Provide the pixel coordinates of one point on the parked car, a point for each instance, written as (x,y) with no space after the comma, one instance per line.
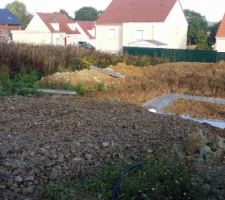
(86,45)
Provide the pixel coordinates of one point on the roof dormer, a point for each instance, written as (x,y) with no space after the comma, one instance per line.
(72,26)
(55,26)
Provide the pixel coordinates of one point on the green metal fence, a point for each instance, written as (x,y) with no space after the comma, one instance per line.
(220,56)
(176,55)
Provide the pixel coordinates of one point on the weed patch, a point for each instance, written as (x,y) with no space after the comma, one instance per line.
(5,82)
(154,178)
(81,89)
(100,87)
(24,83)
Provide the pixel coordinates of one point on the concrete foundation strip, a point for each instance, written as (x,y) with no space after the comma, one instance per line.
(53,91)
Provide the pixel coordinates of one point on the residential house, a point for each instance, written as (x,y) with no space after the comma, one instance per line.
(8,22)
(220,37)
(87,31)
(54,29)
(87,28)
(145,23)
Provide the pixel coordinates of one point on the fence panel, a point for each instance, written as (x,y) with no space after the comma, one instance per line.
(200,56)
(220,56)
(176,55)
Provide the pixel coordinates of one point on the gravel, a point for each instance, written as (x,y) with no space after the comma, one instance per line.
(45,138)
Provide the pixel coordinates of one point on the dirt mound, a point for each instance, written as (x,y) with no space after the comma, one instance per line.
(72,79)
(197,109)
(144,83)
(129,70)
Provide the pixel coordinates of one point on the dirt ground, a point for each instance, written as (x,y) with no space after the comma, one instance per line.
(197,109)
(144,83)
(49,137)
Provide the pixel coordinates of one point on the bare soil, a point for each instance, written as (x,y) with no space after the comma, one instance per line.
(49,137)
(197,109)
(144,83)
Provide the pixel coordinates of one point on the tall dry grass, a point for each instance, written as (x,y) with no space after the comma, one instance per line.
(48,59)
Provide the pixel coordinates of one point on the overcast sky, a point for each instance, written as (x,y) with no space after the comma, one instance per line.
(212,9)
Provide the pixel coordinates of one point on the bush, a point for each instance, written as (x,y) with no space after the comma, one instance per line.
(24,83)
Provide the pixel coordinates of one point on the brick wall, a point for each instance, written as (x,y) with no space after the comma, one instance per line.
(9,27)
(5,31)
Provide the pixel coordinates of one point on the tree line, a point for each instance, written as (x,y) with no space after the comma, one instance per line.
(201,35)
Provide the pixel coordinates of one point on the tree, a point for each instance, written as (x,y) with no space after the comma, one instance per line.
(20,11)
(197,29)
(212,33)
(87,13)
(62,11)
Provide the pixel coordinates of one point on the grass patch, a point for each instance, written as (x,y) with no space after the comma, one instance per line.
(100,87)
(154,178)
(81,89)
(64,190)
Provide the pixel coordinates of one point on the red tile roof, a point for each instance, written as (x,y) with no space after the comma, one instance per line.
(221,29)
(59,18)
(121,11)
(87,26)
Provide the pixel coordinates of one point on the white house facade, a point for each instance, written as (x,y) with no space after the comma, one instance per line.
(53,29)
(154,23)
(220,37)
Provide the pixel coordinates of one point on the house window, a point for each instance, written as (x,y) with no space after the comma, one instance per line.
(139,35)
(111,34)
(55,26)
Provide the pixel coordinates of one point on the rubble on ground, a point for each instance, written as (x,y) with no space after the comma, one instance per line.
(46,138)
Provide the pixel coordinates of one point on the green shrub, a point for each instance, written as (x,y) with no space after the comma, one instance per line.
(77,64)
(25,83)
(81,90)
(4,93)
(100,87)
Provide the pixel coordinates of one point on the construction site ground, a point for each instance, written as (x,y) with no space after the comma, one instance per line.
(142,84)
(49,137)
(197,109)
(46,138)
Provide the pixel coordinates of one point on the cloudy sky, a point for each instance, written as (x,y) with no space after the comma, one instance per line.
(212,9)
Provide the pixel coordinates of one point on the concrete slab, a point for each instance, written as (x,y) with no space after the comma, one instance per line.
(107,72)
(53,91)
